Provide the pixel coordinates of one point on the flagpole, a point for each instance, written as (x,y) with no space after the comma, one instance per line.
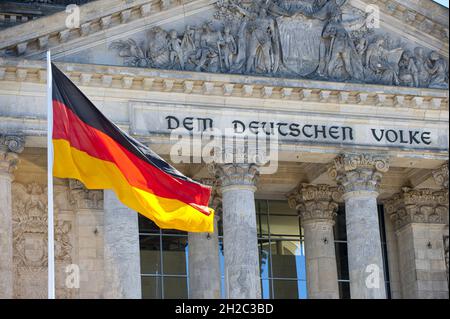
(51,237)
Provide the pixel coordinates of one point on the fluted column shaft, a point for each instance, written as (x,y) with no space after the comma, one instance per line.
(242,273)
(204,265)
(9,147)
(359,175)
(317,208)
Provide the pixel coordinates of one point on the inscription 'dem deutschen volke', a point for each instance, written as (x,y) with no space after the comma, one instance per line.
(332,133)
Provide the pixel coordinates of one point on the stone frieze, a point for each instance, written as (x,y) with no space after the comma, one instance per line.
(320,39)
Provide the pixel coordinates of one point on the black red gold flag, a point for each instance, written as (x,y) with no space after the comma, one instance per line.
(90,148)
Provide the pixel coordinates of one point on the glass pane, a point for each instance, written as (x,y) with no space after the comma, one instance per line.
(344,290)
(288,260)
(146,225)
(222,269)
(175,254)
(175,288)
(302,289)
(339,227)
(151,287)
(262,224)
(342,261)
(261,206)
(261,217)
(266,288)
(150,254)
(285,289)
(281,207)
(173,232)
(264,255)
(282,226)
(220,227)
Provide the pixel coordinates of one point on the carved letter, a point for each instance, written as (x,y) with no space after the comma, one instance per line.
(170,121)
(295,131)
(426,139)
(236,124)
(375,134)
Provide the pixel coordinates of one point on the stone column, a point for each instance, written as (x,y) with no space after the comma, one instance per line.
(122,254)
(88,206)
(204,265)
(360,175)
(9,147)
(317,207)
(418,216)
(441,178)
(242,273)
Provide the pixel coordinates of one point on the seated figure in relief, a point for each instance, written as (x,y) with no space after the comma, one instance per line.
(382,64)
(438,70)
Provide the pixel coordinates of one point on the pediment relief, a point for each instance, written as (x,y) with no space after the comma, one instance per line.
(302,39)
(321,39)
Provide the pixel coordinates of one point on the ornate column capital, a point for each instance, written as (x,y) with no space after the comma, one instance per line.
(82,198)
(237,175)
(215,201)
(315,202)
(441,176)
(10,147)
(359,172)
(417,206)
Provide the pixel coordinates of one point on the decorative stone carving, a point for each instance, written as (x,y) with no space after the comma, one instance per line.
(10,146)
(236,174)
(441,176)
(83,198)
(315,201)
(13,143)
(261,37)
(8,162)
(417,206)
(30,241)
(359,172)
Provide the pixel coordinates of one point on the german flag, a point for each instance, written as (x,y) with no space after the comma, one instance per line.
(90,148)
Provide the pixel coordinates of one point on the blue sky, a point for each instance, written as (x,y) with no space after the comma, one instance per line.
(443,2)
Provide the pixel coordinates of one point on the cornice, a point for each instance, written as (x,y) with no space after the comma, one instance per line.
(98,20)
(210,84)
(413,13)
(103,17)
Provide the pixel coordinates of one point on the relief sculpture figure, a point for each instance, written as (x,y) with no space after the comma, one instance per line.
(408,72)
(313,39)
(227,47)
(176,51)
(438,70)
(382,64)
(208,53)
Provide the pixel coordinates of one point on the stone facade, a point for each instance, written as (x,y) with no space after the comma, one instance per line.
(418,217)
(359,116)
